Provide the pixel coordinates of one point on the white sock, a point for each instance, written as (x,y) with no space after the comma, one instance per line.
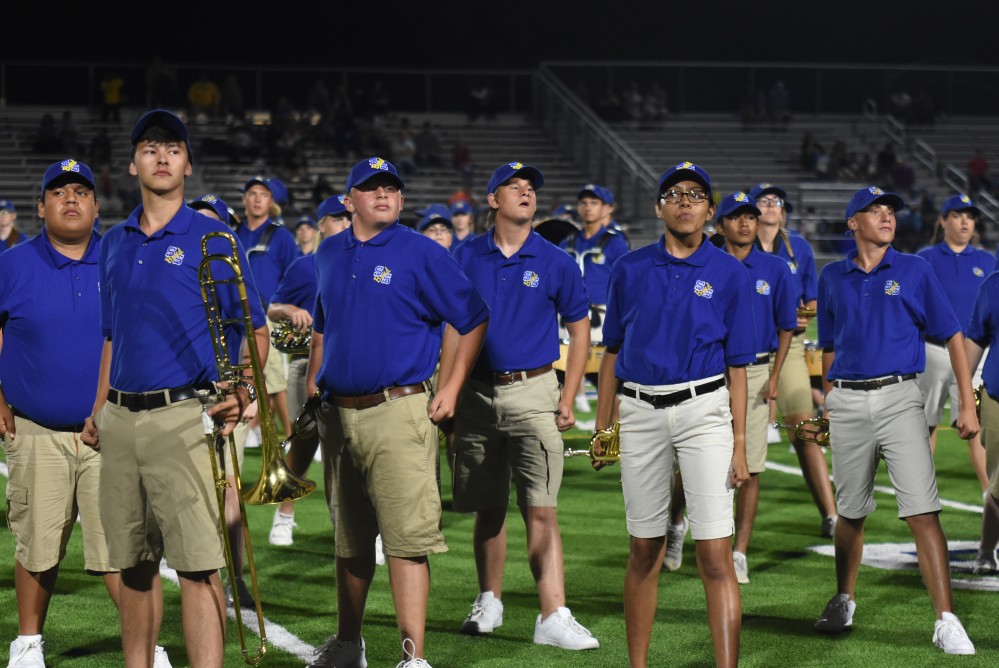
(30,639)
(948,617)
(287,517)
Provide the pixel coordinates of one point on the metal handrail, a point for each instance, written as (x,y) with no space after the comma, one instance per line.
(925,154)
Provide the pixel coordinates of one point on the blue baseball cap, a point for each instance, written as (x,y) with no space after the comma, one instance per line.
(601,193)
(165,119)
(305,220)
(366,169)
(435,213)
(959,202)
(332,206)
(66,171)
(279,191)
(735,202)
(867,196)
(7,205)
(461,207)
(765,188)
(259,181)
(506,172)
(565,210)
(684,171)
(216,204)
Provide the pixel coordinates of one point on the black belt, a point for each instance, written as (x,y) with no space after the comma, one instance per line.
(762,358)
(673,398)
(73,428)
(148,401)
(874,383)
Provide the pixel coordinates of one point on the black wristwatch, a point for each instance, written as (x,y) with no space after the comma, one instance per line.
(251,390)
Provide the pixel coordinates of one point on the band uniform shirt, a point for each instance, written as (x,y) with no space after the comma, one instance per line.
(526,293)
(960,274)
(379,306)
(597,266)
(298,287)
(50,312)
(775,302)
(877,322)
(802,266)
(678,320)
(269,265)
(151,304)
(983,329)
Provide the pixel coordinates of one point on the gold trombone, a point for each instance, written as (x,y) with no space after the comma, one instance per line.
(276,483)
(605,446)
(815,430)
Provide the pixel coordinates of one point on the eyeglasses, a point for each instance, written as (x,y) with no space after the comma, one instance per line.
(673,196)
(768,202)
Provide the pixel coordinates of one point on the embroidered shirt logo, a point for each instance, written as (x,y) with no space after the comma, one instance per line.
(703,289)
(892,288)
(793,266)
(382,275)
(977,271)
(531,279)
(174,256)
(762,287)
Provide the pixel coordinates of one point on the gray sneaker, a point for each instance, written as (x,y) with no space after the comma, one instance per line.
(339,654)
(838,615)
(674,545)
(486,615)
(985,562)
(741,568)
(829,526)
(950,636)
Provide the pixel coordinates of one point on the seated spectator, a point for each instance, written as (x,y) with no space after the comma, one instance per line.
(428,148)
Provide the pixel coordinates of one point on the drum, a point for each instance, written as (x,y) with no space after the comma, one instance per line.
(813,358)
(597,348)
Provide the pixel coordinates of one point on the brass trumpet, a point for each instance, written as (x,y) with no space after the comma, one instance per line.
(805,312)
(815,430)
(276,483)
(607,441)
(289,340)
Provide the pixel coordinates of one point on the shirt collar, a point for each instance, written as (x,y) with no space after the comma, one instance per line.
(531,247)
(90,256)
(947,250)
(380,239)
(886,261)
(179,224)
(698,258)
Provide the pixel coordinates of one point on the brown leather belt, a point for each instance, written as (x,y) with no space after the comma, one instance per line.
(362,401)
(509,377)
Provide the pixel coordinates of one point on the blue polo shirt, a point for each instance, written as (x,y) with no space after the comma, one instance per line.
(877,322)
(679,320)
(983,329)
(298,287)
(526,293)
(803,271)
(151,305)
(379,304)
(961,274)
(268,266)
(50,312)
(599,253)
(775,303)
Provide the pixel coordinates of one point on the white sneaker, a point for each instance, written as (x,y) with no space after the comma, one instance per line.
(582,404)
(674,545)
(282,529)
(486,615)
(411,661)
(160,658)
(27,654)
(985,562)
(560,629)
(741,568)
(379,551)
(950,636)
(773,434)
(252,439)
(339,654)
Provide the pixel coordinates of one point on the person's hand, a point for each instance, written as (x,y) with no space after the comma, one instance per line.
(301,319)
(565,419)
(229,411)
(89,435)
(770,391)
(967,422)
(740,470)
(7,427)
(441,406)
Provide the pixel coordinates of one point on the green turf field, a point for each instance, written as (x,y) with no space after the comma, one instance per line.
(790,586)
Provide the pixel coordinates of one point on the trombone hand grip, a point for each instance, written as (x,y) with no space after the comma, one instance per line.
(605,446)
(815,430)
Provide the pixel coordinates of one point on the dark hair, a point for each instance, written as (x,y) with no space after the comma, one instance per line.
(158,134)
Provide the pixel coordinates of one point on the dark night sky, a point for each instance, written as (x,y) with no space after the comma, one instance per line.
(455,35)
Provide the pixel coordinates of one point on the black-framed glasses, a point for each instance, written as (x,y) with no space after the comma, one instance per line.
(673,196)
(767,202)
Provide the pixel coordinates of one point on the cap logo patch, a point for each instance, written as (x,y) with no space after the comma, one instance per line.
(965,199)
(174,256)
(340,198)
(378,163)
(874,190)
(70,166)
(892,288)
(209,199)
(763,186)
(703,289)
(684,165)
(382,275)
(762,287)
(531,279)
(516,165)
(740,197)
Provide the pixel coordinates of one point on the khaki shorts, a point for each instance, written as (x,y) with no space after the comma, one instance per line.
(381,464)
(275,371)
(868,426)
(937,383)
(504,432)
(239,435)
(157,490)
(296,386)
(757,417)
(53,476)
(990,437)
(794,389)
